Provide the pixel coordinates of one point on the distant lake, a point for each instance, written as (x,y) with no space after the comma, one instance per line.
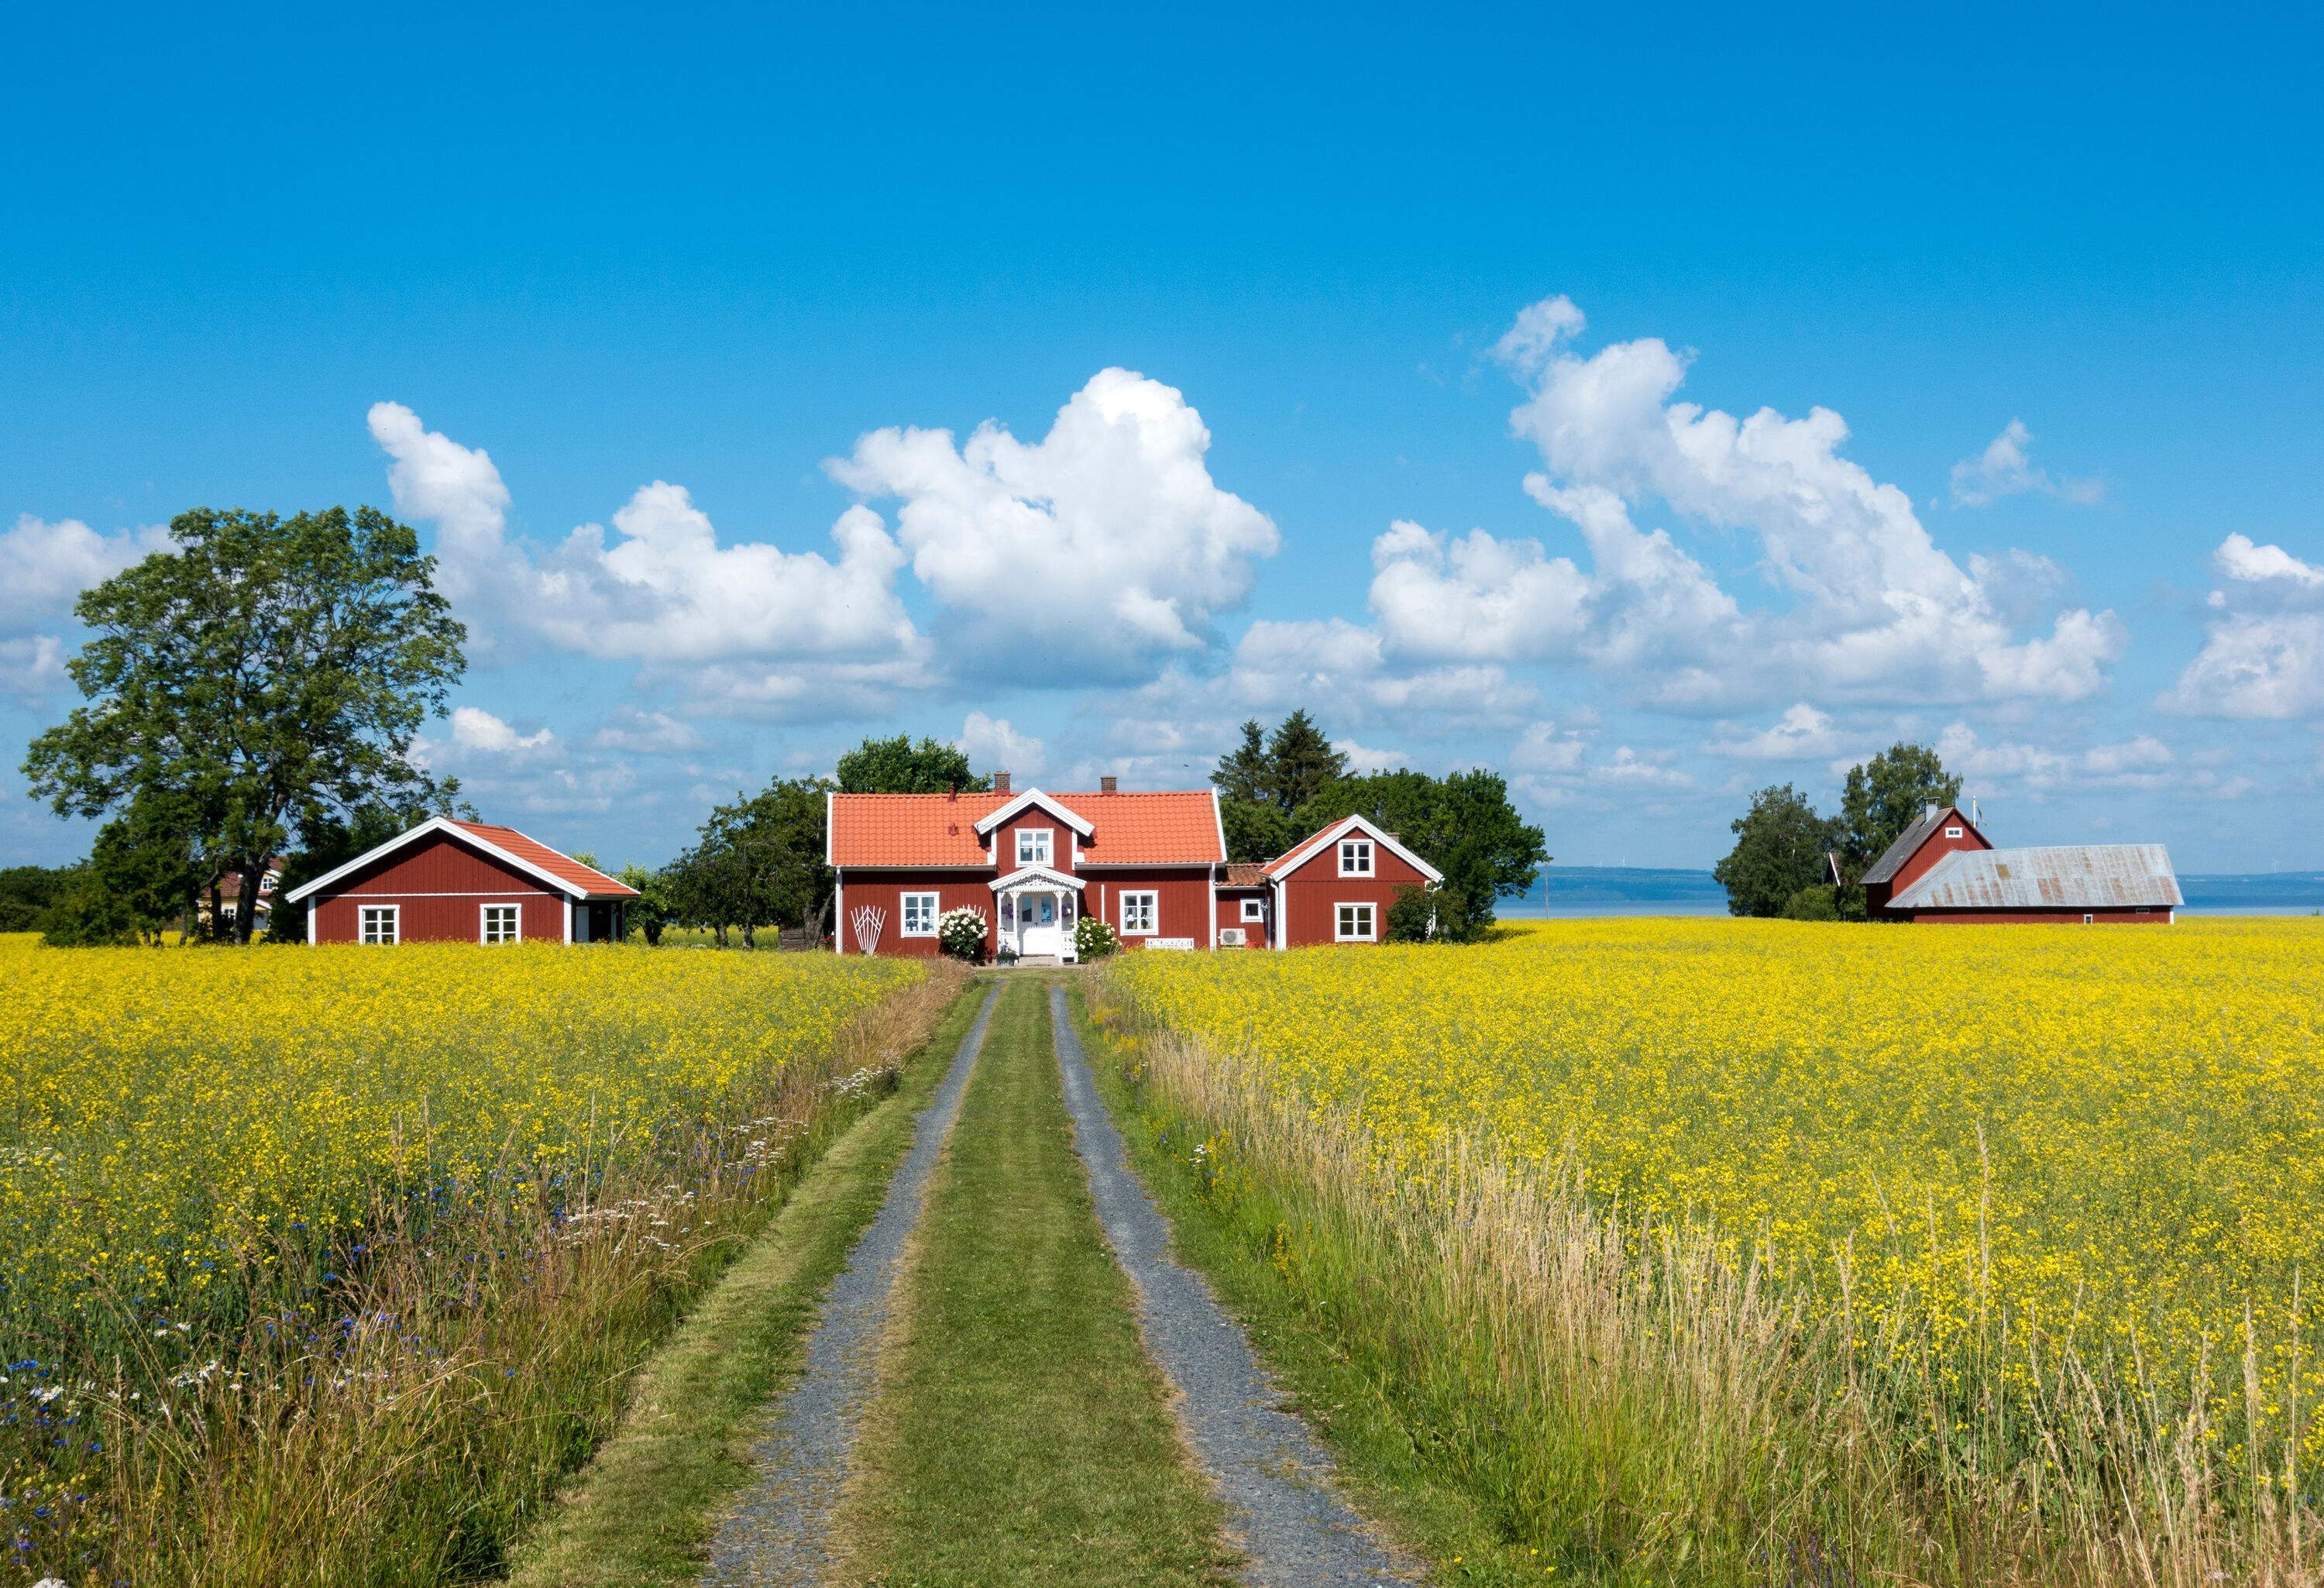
(1565,893)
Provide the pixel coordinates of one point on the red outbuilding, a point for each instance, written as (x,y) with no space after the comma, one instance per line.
(1941,869)
(1337,885)
(458,881)
(1151,865)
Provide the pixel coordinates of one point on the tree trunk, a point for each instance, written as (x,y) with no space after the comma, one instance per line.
(720,929)
(749,936)
(217,914)
(245,910)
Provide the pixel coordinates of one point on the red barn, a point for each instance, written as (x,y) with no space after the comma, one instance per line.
(1151,865)
(1942,869)
(456,882)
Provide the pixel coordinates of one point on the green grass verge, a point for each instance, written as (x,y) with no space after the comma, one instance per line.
(642,1511)
(1020,1434)
(1396,1467)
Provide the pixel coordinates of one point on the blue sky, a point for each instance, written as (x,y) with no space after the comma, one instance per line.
(1650,408)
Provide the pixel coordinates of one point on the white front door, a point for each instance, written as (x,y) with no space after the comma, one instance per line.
(1039,924)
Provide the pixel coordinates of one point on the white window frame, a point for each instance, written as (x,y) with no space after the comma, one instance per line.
(904,927)
(1148,905)
(1254,909)
(1370,934)
(1357,849)
(1049,856)
(394,914)
(2089,920)
(1952,832)
(484,922)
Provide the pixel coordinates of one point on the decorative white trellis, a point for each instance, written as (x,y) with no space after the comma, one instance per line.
(868,919)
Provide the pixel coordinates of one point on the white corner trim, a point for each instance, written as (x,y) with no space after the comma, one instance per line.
(1219,822)
(838,909)
(1046,802)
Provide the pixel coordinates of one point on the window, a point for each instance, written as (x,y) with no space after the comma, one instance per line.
(1254,909)
(2089,920)
(919,915)
(1952,832)
(501,924)
(1033,845)
(1355,924)
(1355,857)
(1137,913)
(378,923)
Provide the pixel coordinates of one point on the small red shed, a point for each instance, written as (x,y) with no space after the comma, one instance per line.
(458,881)
(1337,885)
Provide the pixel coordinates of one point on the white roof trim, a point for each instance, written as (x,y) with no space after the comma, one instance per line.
(458,833)
(1032,797)
(1219,821)
(1034,873)
(1338,830)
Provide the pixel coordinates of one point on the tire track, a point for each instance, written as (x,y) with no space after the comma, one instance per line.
(778,1533)
(1268,1467)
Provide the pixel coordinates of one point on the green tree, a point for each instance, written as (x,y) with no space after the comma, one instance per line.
(899,766)
(144,859)
(1887,794)
(1463,824)
(652,909)
(1417,914)
(87,914)
(1264,779)
(1812,904)
(1780,843)
(1242,776)
(265,669)
(1300,762)
(759,862)
(27,891)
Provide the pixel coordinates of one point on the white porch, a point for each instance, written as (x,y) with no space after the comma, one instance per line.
(1035,908)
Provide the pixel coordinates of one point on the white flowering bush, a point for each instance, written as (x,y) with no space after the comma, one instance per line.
(1093,938)
(961,933)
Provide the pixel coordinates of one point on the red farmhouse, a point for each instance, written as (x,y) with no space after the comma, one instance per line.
(1151,865)
(455,881)
(1942,869)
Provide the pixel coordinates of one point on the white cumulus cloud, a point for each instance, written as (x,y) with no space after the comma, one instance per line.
(473,728)
(2264,655)
(645,732)
(993,745)
(2006,468)
(1113,518)
(44,566)
(1802,734)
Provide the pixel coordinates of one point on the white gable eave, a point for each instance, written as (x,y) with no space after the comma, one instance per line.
(1026,801)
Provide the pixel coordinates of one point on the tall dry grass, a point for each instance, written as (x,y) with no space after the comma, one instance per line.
(470,1365)
(1647,1402)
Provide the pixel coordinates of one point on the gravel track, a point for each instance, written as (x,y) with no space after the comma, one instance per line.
(1268,1467)
(777,1532)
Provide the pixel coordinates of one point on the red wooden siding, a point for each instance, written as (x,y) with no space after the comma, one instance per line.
(1231,915)
(1182,905)
(2109,916)
(884,891)
(1061,841)
(439,886)
(1313,893)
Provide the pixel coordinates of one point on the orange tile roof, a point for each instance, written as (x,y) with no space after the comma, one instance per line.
(1179,827)
(1239,875)
(531,851)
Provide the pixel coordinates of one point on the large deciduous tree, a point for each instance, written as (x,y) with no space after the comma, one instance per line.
(759,862)
(1461,824)
(1887,794)
(1780,844)
(899,766)
(267,671)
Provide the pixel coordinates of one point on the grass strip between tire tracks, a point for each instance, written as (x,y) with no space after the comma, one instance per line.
(1020,1434)
(642,1511)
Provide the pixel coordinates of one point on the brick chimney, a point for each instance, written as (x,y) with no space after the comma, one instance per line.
(1001,782)
(1105,784)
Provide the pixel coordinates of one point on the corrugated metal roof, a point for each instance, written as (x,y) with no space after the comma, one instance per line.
(2070,876)
(1907,843)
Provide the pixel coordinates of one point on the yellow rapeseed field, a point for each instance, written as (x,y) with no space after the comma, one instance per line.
(170,1117)
(2034,1135)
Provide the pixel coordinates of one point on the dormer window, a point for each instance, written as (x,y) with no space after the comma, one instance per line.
(1355,857)
(1035,845)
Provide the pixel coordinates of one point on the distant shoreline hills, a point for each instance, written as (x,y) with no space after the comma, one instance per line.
(1616,890)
